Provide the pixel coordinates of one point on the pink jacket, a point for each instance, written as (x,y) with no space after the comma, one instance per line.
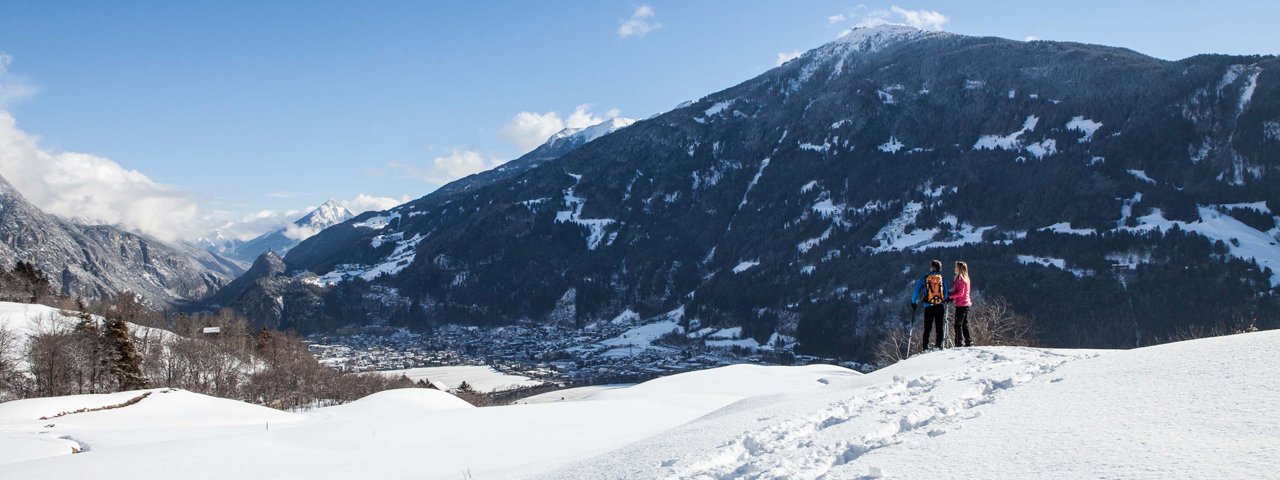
(960,293)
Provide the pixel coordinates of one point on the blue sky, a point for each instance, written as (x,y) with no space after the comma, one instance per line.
(238,111)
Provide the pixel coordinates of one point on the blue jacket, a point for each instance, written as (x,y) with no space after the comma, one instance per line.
(915,295)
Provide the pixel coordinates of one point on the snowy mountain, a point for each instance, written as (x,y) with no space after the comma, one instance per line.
(92,261)
(1198,409)
(280,241)
(803,202)
(557,146)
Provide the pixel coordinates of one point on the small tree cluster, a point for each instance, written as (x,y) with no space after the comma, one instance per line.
(102,354)
(469,394)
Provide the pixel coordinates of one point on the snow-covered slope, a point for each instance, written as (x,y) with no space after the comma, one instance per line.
(1199,409)
(46,427)
(27,319)
(480,377)
(413,433)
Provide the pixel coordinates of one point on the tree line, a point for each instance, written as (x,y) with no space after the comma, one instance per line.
(119,343)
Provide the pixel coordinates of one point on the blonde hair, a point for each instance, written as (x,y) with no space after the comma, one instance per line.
(962,271)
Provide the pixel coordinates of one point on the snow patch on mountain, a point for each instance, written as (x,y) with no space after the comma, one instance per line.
(1083,125)
(1043,149)
(754,180)
(823,148)
(1141,175)
(595,226)
(805,246)
(1271,130)
(1011,141)
(717,107)
(378,222)
(1242,241)
(891,146)
(400,258)
(893,236)
(1065,228)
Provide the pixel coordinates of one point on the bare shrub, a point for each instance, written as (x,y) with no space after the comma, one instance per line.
(1224,328)
(51,358)
(10,376)
(895,347)
(994,322)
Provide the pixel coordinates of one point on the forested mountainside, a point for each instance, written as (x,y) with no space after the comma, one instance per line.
(1103,192)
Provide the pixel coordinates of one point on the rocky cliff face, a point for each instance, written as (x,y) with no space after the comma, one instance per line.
(95,261)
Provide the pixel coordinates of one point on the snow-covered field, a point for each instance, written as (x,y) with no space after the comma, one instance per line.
(480,377)
(1200,409)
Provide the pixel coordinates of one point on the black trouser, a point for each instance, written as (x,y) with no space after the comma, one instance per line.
(962,327)
(935,316)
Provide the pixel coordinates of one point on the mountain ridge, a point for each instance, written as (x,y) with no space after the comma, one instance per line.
(95,261)
(752,206)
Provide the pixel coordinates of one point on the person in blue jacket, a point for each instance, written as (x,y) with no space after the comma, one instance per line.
(931,290)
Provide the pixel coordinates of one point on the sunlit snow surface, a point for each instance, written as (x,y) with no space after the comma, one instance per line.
(1199,409)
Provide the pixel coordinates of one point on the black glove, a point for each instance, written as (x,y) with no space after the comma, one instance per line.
(948,300)
(913,306)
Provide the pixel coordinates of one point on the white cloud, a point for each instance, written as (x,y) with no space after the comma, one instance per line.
(369,203)
(13,88)
(640,23)
(528,130)
(784,57)
(458,164)
(1030,38)
(91,189)
(257,223)
(922,19)
(447,168)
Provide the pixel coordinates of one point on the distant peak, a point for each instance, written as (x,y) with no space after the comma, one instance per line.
(587,134)
(869,39)
(329,213)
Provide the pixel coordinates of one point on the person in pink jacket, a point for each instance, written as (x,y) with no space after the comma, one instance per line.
(960,297)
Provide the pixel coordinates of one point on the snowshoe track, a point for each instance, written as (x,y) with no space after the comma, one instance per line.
(929,405)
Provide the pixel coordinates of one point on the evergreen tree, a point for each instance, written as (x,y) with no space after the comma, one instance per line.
(90,354)
(125,361)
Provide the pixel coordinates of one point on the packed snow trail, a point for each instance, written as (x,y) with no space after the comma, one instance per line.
(1200,409)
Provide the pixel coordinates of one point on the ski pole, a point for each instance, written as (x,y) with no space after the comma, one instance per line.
(911,333)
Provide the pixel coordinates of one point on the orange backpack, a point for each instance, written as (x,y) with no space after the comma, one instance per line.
(933,294)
